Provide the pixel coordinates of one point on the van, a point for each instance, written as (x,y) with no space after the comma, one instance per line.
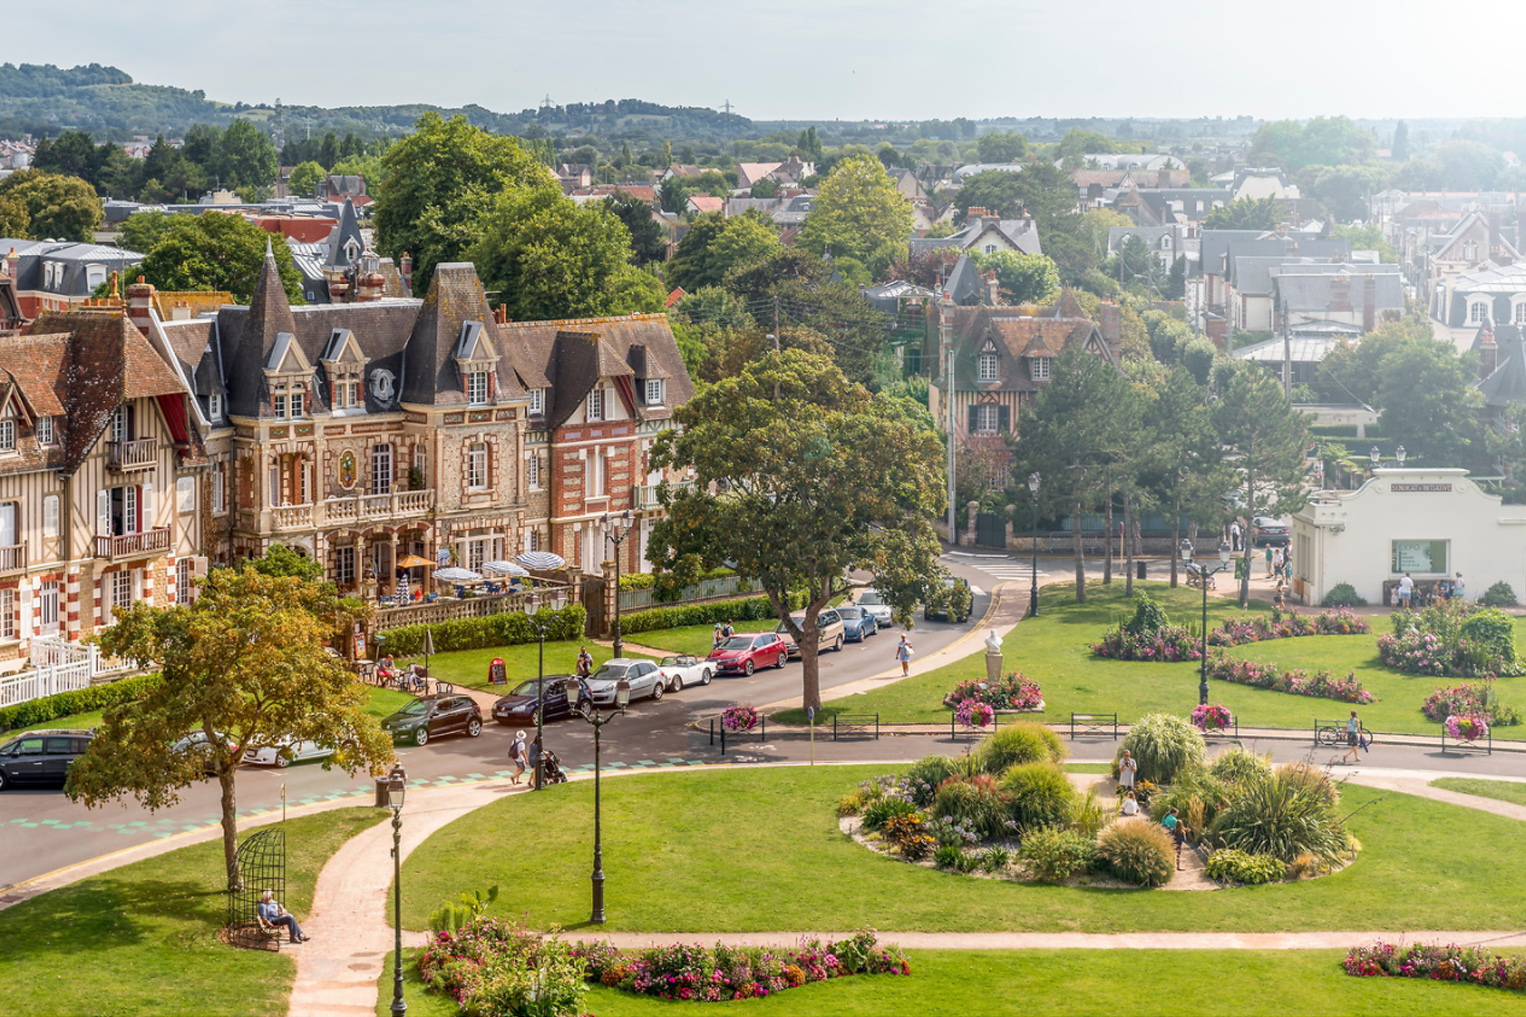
(829,631)
(41,757)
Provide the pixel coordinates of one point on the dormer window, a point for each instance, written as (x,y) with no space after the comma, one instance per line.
(654,391)
(537,402)
(7,435)
(45,434)
(596,404)
(1039,368)
(476,360)
(987,367)
(345,366)
(215,406)
(287,374)
(1478,312)
(476,387)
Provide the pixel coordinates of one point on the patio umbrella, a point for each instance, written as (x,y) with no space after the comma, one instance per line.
(456,575)
(541,561)
(413,561)
(506,568)
(428,646)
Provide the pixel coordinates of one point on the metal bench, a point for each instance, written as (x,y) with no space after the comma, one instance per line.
(1096,724)
(855,723)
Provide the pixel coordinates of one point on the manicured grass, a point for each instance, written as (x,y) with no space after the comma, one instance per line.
(1055,649)
(744,849)
(75,721)
(380,703)
(1071,982)
(696,639)
(469,667)
(142,939)
(1503,790)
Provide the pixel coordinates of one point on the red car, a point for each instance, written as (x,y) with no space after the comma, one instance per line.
(744,654)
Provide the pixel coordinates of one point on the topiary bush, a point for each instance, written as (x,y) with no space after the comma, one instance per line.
(1489,632)
(1499,595)
(64,704)
(1228,865)
(1024,742)
(1054,855)
(978,801)
(1164,746)
(1141,853)
(1148,616)
(1343,595)
(1039,794)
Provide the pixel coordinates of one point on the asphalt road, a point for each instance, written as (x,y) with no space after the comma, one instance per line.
(41,830)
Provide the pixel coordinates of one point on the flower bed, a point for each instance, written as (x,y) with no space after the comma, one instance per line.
(1012,691)
(1453,640)
(1173,643)
(739,718)
(1298,682)
(973,713)
(1212,717)
(1450,963)
(1169,643)
(1467,729)
(1470,699)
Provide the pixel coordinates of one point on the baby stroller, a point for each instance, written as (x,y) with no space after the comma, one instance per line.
(551,769)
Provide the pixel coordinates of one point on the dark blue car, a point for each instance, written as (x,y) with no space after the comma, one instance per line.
(857,623)
(518,707)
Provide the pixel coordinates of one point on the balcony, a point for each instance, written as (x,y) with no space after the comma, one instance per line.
(133,545)
(377,507)
(292,517)
(12,558)
(140,454)
(646,494)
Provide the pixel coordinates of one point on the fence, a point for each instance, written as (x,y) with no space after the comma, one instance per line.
(57,666)
(706,589)
(449,609)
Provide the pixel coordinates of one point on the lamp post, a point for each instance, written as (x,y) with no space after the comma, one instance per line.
(1376,456)
(1033,543)
(1399,454)
(619,528)
(532,607)
(598,720)
(1204,574)
(397,787)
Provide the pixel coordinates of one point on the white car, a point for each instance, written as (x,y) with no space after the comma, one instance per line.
(286,753)
(685,670)
(645,680)
(872,602)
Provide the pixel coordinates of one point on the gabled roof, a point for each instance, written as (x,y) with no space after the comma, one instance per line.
(430,375)
(1506,385)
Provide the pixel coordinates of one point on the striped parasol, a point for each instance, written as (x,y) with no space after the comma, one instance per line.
(542,561)
(505,568)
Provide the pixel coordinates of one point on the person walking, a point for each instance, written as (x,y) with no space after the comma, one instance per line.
(903,652)
(1277,560)
(1128,768)
(1268,555)
(520,757)
(1234,535)
(1353,738)
(1459,589)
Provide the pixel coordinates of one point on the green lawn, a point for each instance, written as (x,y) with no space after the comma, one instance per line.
(670,864)
(695,639)
(142,939)
(1055,649)
(1168,983)
(469,667)
(1503,790)
(381,703)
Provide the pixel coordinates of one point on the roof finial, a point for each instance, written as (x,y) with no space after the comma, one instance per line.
(269,251)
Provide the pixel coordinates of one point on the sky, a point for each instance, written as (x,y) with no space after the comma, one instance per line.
(821,60)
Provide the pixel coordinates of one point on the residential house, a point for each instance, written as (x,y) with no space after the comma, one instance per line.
(705,204)
(791,171)
(1489,294)
(572,175)
(1167,242)
(341,187)
(1475,240)
(56,275)
(986,232)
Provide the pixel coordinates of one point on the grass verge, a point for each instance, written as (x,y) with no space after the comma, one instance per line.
(669,867)
(142,939)
(1503,790)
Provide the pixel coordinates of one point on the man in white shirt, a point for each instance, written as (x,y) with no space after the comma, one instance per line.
(1406,591)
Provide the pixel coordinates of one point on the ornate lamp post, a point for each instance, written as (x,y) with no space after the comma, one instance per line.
(397,787)
(1376,456)
(1033,543)
(1204,574)
(619,528)
(532,606)
(1399,454)
(598,720)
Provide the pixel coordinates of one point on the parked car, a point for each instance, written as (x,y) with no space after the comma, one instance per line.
(645,677)
(684,669)
(41,757)
(829,631)
(1268,531)
(432,716)
(871,601)
(745,653)
(518,707)
(196,743)
(286,753)
(858,623)
(954,604)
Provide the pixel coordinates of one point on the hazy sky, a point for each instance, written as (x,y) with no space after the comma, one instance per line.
(788,59)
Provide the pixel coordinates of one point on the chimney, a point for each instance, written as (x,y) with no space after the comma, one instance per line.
(1340,294)
(140,305)
(993,289)
(405,268)
(1488,351)
(1110,322)
(11,261)
(1369,302)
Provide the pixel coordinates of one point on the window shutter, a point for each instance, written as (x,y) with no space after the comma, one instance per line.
(974,412)
(103,513)
(1004,418)
(146,508)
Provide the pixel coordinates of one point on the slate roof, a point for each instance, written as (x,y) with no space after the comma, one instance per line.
(430,375)
(1309,287)
(1506,386)
(75,259)
(1016,335)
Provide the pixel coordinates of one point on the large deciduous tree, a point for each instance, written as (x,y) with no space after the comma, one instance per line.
(858,213)
(245,157)
(1245,214)
(713,246)
(815,478)
(245,666)
(211,251)
(1024,278)
(57,207)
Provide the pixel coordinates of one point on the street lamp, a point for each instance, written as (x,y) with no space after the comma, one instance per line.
(1033,542)
(396,787)
(532,606)
(1399,454)
(598,720)
(619,528)
(1204,574)
(1376,456)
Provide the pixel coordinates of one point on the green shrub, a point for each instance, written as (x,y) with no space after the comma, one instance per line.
(1148,616)
(995,858)
(1089,815)
(979,802)
(1164,746)
(507,628)
(1056,855)
(456,914)
(1491,631)
(908,834)
(1499,595)
(850,804)
(1023,742)
(1238,763)
(649,580)
(1137,852)
(1227,865)
(1343,595)
(924,776)
(87,700)
(948,856)
(709,613)
(1039,794)
(881,811)
(1196,796)
(1290,812)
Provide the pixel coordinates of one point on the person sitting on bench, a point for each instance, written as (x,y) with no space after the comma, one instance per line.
(274,914)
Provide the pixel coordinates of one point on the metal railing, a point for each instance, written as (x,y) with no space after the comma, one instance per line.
(138,454)
(707,589)
(12,558)
(449,608)
(1094,724)
(132,545)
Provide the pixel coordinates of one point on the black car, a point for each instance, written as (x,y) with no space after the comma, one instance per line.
(41,757)
(432,716)
(518,707)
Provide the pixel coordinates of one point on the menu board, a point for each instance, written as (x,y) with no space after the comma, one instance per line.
(1424,556)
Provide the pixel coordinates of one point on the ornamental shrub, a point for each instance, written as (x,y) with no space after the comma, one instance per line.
(978,801)
(1289,813)
(1054,855)
(1343,595)
(1012,691)
(86,700)
(498,970)
(1164,746)
(1237,763)
(925,775)
(1499,595)
(1039,794)
(1196,796)
(508,628)
(878,813)
(1297,682)
(908,834)
(1490,630)
(1024,742)
(1228,865)
(1469,699)
(1141,853)
(1148,616)
(1448,638)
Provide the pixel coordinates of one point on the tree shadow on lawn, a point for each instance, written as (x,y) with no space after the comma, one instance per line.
(107,912)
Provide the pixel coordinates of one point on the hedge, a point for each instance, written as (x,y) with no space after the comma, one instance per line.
(748,609)
(648,580)
(509,628)
(64,704)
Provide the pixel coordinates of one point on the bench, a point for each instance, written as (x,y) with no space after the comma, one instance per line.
(1094,724)
(855,723)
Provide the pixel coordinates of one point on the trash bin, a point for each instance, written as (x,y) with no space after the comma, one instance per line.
(381,793)
(1139,570)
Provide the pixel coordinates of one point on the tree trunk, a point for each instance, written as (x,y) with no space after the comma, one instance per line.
(1128,545)
(230,828)
(1079,548)
(1176,540)
(1250,507)
(1107,542)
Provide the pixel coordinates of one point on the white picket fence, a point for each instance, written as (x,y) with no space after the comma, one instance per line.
(57,666)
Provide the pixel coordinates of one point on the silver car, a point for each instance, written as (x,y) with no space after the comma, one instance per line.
(875,604)
(646,679)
